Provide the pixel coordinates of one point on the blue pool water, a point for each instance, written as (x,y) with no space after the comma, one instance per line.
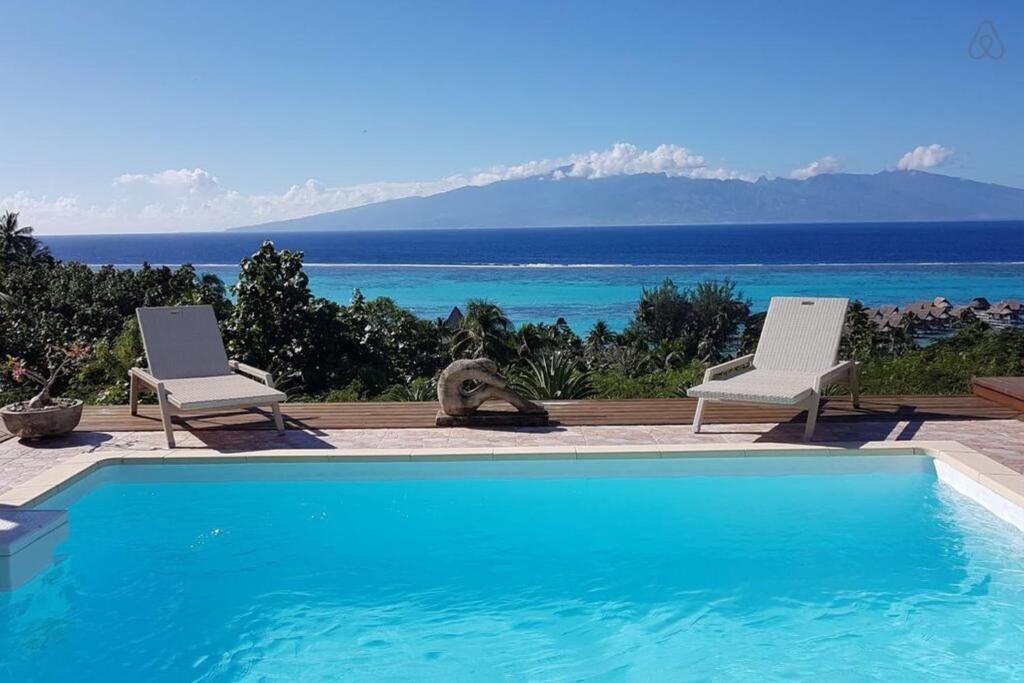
(852,568)
(585,274)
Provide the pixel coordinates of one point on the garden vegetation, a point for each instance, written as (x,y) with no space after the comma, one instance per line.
(376,350)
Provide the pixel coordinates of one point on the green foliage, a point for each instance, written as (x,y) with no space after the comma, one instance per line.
(53,304)
(863,340)
(601,336)
(947,366)
(751,333)
(17,245)
(420,389)
(104,379)
(554,376)
(631,360)
(351,393)
(704,322)
(663,313)
(485,332)
(392,346)
(660,384)
(537,339)
(718,313)
(278,324)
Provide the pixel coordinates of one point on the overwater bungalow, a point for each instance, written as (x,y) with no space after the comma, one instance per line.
(1008,312)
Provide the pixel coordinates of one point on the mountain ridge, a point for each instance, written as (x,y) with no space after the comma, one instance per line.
(659,199)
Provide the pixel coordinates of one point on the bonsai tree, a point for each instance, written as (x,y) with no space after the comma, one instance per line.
(61,361)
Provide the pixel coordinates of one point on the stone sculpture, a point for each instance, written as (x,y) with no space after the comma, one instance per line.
(466,384)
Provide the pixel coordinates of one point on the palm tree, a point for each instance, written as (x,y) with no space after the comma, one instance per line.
(484,331)
(17,243)
(600,336)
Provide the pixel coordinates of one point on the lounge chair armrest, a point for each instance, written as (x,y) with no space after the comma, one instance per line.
(838,373)
(146,378)
(728,366)
(255,373)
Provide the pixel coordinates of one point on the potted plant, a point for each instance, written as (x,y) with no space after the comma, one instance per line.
(43,415)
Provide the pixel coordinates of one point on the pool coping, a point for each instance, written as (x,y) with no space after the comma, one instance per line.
(969,464)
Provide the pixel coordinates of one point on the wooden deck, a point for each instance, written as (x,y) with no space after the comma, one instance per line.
(1005,391)
(316,416)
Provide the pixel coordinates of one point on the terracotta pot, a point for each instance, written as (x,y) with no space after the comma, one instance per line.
(41,423)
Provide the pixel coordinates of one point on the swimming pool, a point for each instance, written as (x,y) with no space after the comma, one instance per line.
(640,569)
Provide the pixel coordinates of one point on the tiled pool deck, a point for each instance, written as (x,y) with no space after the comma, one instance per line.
(20,463)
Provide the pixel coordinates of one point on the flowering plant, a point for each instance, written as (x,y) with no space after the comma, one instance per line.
(60,360)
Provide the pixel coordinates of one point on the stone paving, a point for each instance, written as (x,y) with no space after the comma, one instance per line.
(1002,440)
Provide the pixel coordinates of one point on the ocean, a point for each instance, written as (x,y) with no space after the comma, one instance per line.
(586,274)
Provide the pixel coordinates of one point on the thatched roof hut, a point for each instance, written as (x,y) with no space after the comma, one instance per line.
(1008,309)
(979,303)
(454,320)
(923,311)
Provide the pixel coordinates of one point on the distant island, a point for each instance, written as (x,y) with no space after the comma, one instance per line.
(657,199)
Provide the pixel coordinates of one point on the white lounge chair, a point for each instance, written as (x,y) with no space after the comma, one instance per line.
(190,371)
(795,359)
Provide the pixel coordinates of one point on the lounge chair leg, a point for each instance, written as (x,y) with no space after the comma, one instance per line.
(854,387)
(165,415)
(133,393)
(698,416)
(278,420)
(812,415)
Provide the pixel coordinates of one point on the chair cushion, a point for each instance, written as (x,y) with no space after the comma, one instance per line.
(222,391)
(758,386)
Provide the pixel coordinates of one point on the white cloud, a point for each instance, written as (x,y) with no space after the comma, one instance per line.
(195,199)
(826,164)
(922,157)
(622,159)
(183,180)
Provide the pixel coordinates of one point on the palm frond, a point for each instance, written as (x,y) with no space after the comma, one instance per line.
(556,376)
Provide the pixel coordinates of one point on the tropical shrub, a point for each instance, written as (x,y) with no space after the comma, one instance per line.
(392,346)
(536,339)
(703,323)
(350,393)
(630,360)
(49,304)
(863,340)
(555,376)
(103,380)
(947,366)
(661,384)
(718,314)
(663,313)
(420,389)
(278,324)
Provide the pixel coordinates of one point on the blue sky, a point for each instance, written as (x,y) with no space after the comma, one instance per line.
(156,116)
